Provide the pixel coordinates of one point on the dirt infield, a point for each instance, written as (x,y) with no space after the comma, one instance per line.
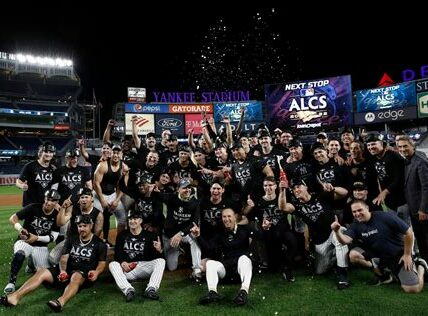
(10,200)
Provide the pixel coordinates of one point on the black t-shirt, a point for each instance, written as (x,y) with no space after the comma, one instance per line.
(168,157)
(84,256)
(180,215)
(39,179)
(189,171)
(272,161)
(269,209)
(247,174)
(382,234)
(152,210)
(132,248)
(302,169)
(211,222)
(70,181)
(37,222)
(229,244)
(72,230)
(318,215)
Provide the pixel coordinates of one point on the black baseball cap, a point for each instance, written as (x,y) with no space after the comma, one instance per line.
(263,133)
(295,143)
(297,181)
(184,183)
(72,153)
(359,185)
(47,146)
(135,214)
(116,147)
(347,130)
(184,148)
(172,138)
(237,144)
(322,135)
(85,191)
(373,137)
(142,180)
(316,146)
(83,219)
(53,194)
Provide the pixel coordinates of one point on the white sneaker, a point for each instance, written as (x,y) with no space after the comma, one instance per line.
(10,288)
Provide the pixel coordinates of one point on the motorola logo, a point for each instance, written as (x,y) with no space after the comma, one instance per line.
(370,117)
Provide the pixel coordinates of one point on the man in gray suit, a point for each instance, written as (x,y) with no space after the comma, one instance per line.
(416,190)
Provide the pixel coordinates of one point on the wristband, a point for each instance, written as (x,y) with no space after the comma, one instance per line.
(18,227)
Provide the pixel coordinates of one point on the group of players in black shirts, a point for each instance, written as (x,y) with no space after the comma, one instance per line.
(241,201)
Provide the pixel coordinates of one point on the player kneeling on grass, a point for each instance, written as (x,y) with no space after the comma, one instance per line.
(388,238)
(40,228)
(233,244)
(83,260)
(137,256)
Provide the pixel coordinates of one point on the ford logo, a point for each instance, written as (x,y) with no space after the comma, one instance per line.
(169,122)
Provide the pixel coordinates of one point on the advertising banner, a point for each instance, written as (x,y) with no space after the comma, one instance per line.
(385,116)
(191,108)
(136,94)
(173,122)
(146,108)
(396,96)
(194,121)
(310,104)
(423,104)
(246,126)
(253,111)
(145,123)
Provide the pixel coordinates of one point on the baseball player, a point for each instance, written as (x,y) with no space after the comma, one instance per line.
(137,256)
(83,260)
(317,212)
(40,228)
(36,176)
(234,263)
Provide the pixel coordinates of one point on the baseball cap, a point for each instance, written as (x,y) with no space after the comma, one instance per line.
(134,214)
(219,181)
(297,181)
(151,134)
(184,183)
(263,133)
(236,144)
(116,147)
(184,148)
(47,146)
(53,194)
(85,191)
(316,146)
(83,219)
(172,138)
(72,153)
(347,130)
(295,143)
(322,135)
(359,185)
(373,137)
(142,180)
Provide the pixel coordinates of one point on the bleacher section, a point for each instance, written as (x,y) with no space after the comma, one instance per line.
(4,144)
(28,143)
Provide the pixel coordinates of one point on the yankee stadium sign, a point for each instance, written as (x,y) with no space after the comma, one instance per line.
(205,96)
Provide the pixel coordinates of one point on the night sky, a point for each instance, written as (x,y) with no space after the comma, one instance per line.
(217,48)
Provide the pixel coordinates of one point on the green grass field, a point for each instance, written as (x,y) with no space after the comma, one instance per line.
(9,189)
(269,294)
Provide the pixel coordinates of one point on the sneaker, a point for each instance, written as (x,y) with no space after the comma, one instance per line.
(130,294)
(211,297)
(288,275)
(151,293)
(196,277)
(10,288)
(341,285)
(241,298)
(421,262)
(385,278)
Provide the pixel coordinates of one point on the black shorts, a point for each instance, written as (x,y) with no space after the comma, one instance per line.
(55,271)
